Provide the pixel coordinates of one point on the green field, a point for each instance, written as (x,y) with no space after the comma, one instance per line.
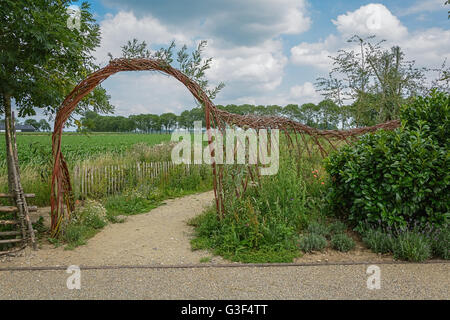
(100,150)
(33,148)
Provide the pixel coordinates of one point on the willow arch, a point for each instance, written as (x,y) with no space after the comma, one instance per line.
(61,191)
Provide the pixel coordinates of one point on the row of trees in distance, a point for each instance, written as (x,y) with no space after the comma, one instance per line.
(41,125)
(324,115)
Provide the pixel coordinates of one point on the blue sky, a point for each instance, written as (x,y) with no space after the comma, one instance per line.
(266,51)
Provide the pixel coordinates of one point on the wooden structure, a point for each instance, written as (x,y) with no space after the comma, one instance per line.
(62,199)
(92,180)
(17,215)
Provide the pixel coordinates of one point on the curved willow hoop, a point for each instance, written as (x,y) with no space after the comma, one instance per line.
(61,190)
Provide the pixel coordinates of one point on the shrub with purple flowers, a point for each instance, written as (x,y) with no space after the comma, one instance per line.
(342,242)
(312,242)
(378,241)
(440,242)
(413,246)
(414,242)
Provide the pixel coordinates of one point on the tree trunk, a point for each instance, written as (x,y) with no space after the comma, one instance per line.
(9,142)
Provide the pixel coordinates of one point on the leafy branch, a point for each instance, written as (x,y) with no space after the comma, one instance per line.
(192,65)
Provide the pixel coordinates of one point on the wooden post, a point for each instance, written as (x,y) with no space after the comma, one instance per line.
(15,186)
(21,201)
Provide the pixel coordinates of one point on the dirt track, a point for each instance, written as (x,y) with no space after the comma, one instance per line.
(159,237)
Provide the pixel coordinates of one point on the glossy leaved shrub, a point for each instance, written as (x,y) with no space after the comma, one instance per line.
(395,177)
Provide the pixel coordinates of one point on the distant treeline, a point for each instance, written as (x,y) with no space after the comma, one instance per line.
(41,125)
(324,115)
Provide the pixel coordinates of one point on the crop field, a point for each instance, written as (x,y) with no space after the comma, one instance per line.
(34,148)
(102,164)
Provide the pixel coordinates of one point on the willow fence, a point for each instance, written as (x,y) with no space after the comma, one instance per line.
(92,181)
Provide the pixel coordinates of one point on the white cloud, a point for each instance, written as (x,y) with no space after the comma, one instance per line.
(372,19)
(247,69)
(254,21)
(235,21)
(117,29)
(298,94)
(428,47)
(244,39)
(305,92)
(423,6)
(315,54)
(147,92)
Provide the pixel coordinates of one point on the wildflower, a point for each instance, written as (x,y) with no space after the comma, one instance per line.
(315,176)
(323,182)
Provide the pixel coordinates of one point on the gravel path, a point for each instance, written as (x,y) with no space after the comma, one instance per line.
(158,237)
(403,281)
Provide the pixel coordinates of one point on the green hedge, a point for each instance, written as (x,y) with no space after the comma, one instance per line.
(395,177)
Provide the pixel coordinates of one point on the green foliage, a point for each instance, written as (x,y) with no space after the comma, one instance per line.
(168,120)
(414,242)
(395,176)
(430,113)
(312,242)
(318,228)
(75,235)
(42,59)
(205,225)
(264,224)
(129,203)
(146,195)
(377,240)
(33,123)
(96,150)
(35,149)
(342,242)
(448,3)
(39,226)
(55,241)
(440,242)
(205,259)
(324,115)
(377,80)
(193,66)
(33,181)
(337,227)
(92,214)
(224,240)
(44,125)
(85,222)
(412,246)
(6,216)
(183,181)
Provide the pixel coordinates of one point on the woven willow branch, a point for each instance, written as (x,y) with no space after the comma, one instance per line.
(61,191)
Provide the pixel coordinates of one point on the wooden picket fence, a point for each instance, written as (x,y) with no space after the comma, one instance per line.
(112,179)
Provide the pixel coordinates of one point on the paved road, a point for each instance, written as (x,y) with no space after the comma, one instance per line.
(398,281)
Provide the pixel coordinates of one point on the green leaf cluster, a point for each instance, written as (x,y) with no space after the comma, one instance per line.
(395,177)
(42,58)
